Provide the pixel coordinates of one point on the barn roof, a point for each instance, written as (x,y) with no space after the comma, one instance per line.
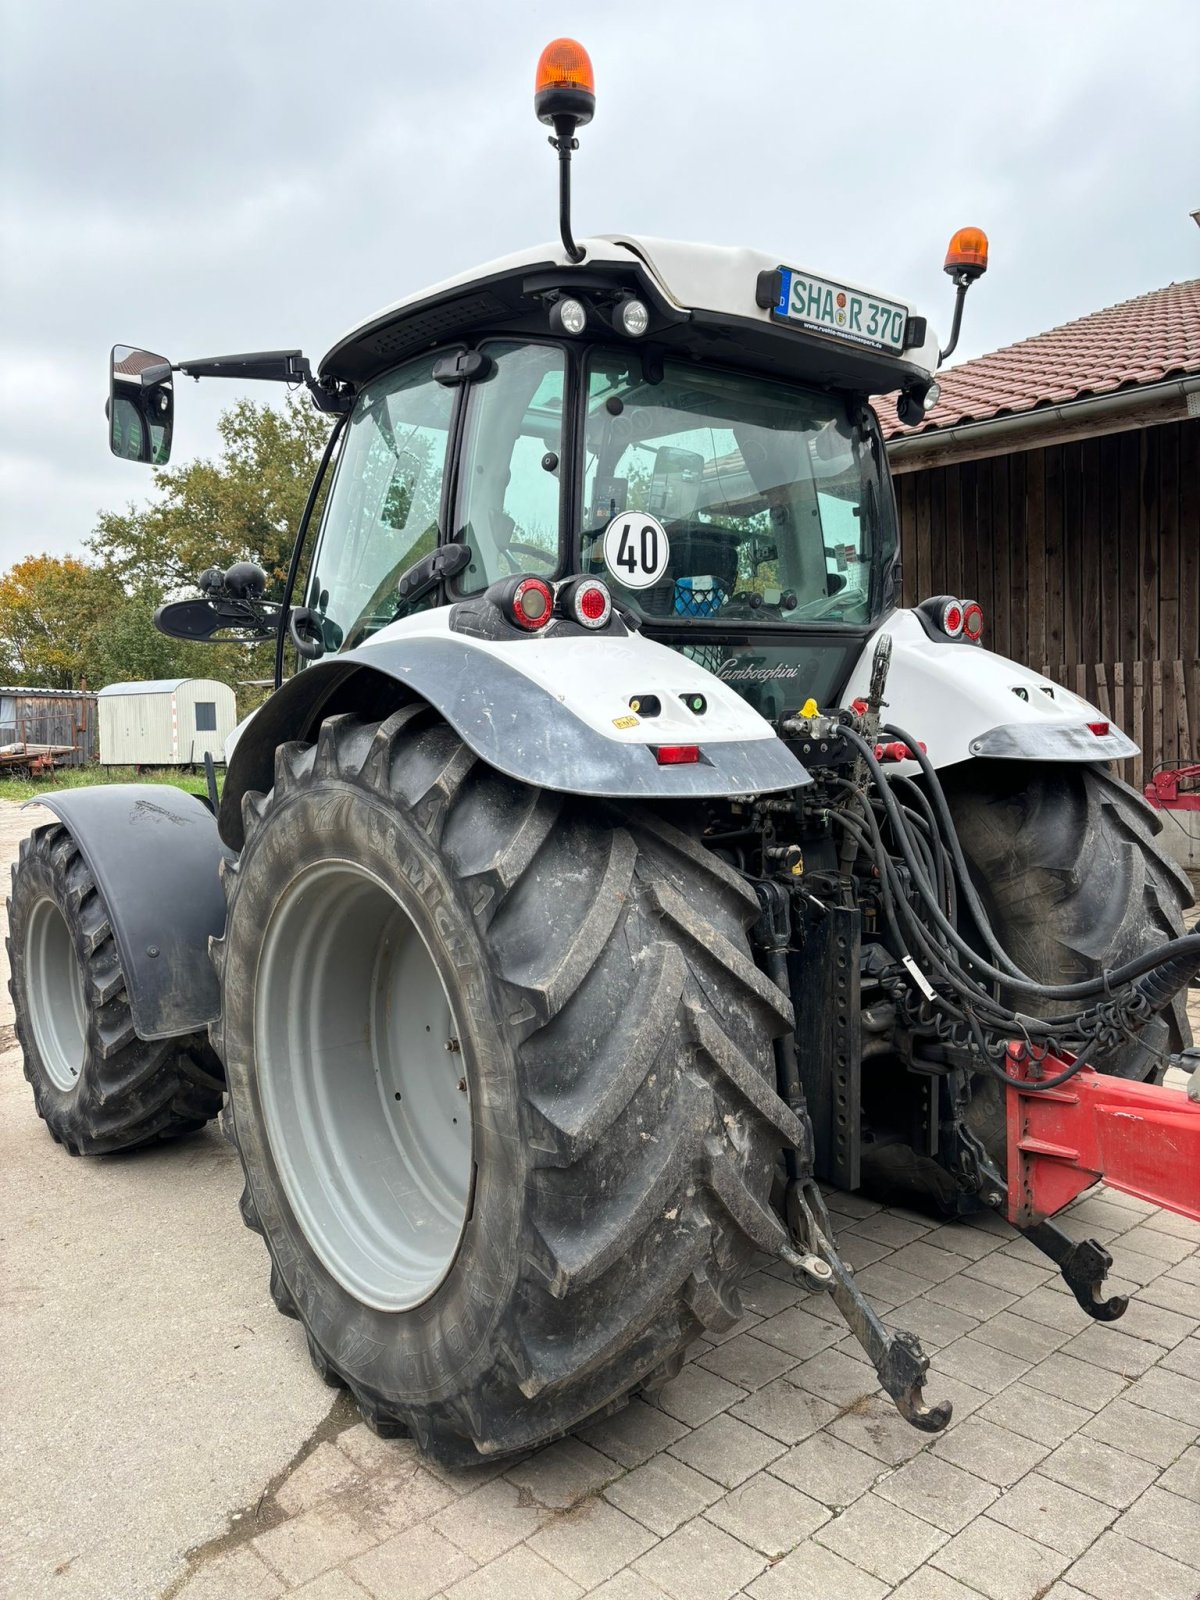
(1137,342)
(27,690)
(154,686)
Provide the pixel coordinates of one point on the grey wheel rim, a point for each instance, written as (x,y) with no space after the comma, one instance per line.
(364,1085)
(54,991)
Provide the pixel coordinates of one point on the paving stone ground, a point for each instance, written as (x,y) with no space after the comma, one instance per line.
(772,1467)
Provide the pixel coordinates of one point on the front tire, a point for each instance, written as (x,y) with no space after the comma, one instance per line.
(613,1061)
(98,1087)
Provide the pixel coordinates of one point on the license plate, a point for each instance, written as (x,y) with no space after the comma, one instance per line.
(824,307)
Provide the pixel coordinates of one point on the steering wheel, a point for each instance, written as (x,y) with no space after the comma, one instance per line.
(543,560)
(829,607)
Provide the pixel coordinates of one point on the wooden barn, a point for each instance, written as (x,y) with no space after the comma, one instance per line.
(1057,482)
(32,720)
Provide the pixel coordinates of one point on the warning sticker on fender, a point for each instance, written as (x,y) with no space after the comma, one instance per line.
(636,549)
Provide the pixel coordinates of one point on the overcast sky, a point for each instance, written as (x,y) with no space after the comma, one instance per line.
(202,176)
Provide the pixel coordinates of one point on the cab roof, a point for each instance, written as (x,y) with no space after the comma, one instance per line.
(702,299)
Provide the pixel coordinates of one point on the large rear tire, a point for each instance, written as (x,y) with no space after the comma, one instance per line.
(610,1051)
(98,1087)
(1067,865)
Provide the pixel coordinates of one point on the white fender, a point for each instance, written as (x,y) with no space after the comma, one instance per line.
(962,701)
(609,714)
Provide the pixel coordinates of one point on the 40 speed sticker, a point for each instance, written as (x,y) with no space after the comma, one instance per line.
(636,549)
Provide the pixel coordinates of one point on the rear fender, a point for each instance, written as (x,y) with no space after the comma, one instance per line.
(552,712)
(155,854)
(964,702)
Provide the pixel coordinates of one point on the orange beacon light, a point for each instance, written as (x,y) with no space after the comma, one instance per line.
(565,85)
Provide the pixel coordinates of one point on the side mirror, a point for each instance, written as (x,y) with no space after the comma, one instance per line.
(233,603)
(141,406)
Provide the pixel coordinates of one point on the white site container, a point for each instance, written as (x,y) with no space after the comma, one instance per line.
(165,722)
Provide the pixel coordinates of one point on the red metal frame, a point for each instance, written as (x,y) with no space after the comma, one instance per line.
(1141,1138)
(1171,790)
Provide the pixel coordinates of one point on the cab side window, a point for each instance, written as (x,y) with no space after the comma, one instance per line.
(510,473)
(383,508)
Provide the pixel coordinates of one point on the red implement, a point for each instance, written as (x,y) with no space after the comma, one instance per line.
(1141,1138)
(1175,789)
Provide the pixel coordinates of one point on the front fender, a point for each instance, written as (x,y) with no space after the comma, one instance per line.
(550,712)
(155,854)
(963,701)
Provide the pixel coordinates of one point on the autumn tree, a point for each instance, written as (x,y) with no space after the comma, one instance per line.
(63,621)
(52,613)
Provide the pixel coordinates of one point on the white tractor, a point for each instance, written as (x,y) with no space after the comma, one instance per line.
(618,859)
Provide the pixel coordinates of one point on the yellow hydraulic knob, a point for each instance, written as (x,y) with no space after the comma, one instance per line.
(809,708)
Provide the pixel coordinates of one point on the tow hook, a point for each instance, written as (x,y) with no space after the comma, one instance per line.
(900,1363)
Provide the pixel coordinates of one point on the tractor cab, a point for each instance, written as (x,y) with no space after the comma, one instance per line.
(655,417)
(687,425)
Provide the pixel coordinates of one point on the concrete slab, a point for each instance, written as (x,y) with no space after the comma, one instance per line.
(151,1388)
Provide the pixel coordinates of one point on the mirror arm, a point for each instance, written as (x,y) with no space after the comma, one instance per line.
(273,366)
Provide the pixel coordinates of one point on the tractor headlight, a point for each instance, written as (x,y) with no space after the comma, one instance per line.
(568,316)
(632,318)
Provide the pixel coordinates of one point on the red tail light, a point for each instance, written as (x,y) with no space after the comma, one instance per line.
(677,755)
(1100,729)
(952,618)
(532,604)
(972,619)
(586,601)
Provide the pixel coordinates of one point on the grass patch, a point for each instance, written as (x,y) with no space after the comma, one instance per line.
(19,789)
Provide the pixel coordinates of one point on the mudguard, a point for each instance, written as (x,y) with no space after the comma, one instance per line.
(552,711)
(963,701)
(155,854)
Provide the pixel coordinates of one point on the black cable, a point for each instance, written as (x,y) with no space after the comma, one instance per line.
(923,885)
(921,799)
(950,833)
(897,908)
(1188,944)
(964,1016)
(917,937)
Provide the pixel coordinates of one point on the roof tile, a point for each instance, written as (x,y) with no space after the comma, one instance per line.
(1142,340)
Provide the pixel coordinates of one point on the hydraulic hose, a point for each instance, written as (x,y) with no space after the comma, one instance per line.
(1187,945)
(923,847)
(959,1015)
(950,836)
(1178,955)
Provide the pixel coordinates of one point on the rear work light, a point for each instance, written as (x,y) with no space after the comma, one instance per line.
(532,604)
(677,755)
(952,618)
(586,601)
(972,619)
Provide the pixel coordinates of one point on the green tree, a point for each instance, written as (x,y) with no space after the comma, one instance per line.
(244,506)
(130,647)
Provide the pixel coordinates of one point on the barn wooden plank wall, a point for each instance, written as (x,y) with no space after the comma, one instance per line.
(1086,559)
